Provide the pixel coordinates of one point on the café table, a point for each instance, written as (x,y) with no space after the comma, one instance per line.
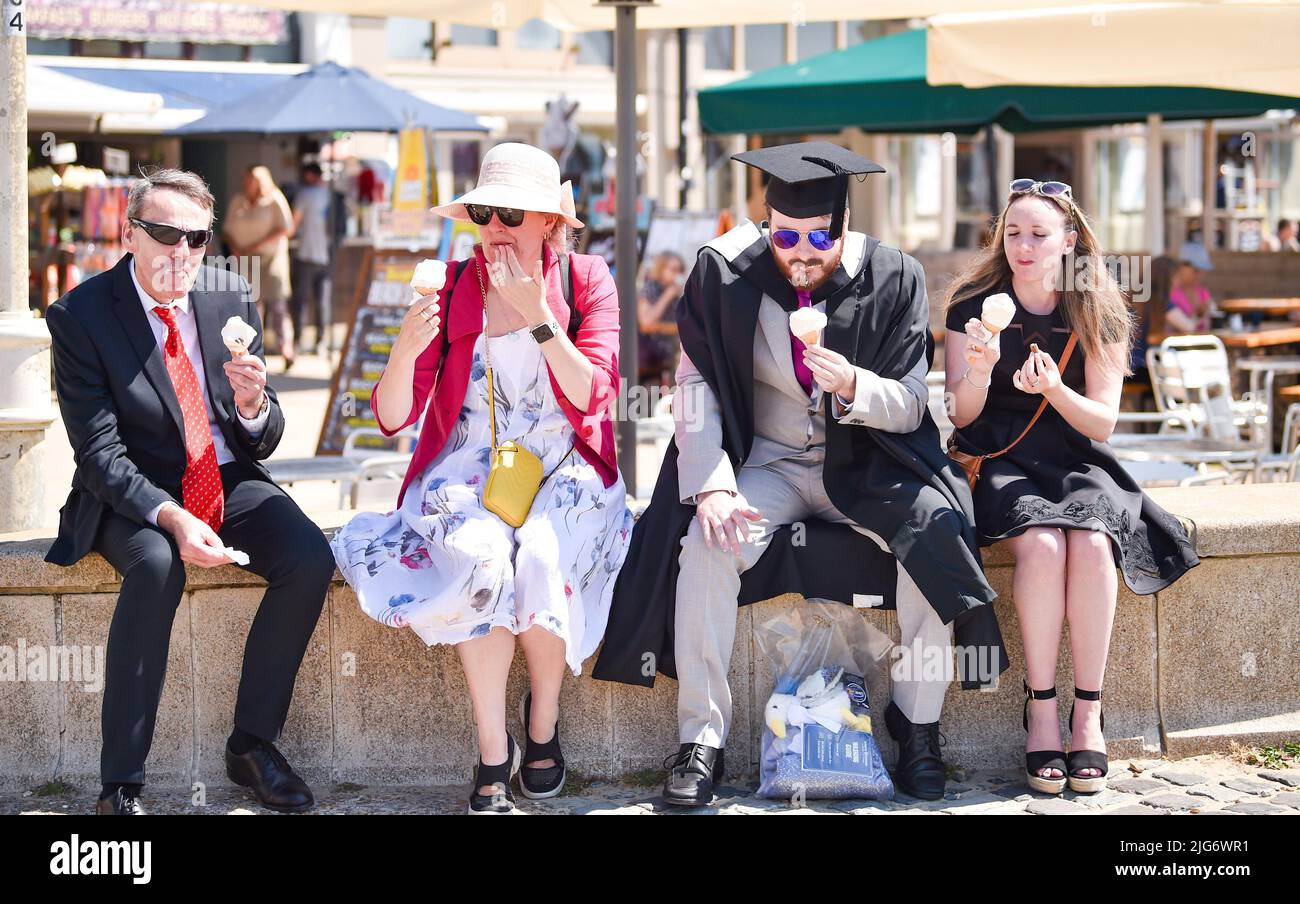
(1188,450)
(1281,306)
(1267,336)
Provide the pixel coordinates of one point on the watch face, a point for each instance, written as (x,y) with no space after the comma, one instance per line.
(543,332)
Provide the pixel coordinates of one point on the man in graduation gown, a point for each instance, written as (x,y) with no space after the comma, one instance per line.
(836,438)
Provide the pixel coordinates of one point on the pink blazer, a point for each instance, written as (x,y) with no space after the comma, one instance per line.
(443,368)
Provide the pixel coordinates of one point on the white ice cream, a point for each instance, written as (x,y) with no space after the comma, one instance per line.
(997,312)
(429,277)
(237,335)
(807,324)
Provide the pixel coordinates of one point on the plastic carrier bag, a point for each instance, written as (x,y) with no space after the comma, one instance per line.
(818,738)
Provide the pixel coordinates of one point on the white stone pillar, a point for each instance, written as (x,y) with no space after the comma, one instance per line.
(25,410)
(1155,188)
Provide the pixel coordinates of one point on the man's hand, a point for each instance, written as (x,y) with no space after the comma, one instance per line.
(831,370)
(722,517)
(198,543)
(247,378)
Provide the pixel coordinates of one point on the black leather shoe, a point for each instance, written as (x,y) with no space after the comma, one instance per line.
(692,773)
(920,771)
(268,773)
(121,803)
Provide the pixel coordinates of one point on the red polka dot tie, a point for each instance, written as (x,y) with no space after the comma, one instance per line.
(201,486)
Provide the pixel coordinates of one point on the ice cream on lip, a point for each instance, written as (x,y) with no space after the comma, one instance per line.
(807,324)
(237,335)
(429,276)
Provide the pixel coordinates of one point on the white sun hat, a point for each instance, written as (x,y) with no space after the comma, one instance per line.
(517,175)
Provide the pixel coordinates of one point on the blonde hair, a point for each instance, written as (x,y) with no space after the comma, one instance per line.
(269,190)
(1097,311)
(561,238)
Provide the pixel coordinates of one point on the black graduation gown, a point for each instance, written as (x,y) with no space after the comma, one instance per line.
(902,487)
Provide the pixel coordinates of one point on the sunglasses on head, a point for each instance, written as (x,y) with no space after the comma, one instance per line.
(482,214)
(171,235)
(1047,189)
(785,239)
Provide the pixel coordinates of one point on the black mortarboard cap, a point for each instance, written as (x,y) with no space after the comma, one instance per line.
(809,179)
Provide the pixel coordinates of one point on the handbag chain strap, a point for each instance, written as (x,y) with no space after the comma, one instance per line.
(487,354)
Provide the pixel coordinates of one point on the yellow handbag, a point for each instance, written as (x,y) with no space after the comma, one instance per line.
(516,474)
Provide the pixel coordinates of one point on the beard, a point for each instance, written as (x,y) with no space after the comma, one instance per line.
(807,274)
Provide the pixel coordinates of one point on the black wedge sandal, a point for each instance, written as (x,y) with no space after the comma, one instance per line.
(501,802)
(1086,759)
(1036,760)
(547,781)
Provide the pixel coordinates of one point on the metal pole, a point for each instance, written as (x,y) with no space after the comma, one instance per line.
(683,98)
(625,231)
(25,410)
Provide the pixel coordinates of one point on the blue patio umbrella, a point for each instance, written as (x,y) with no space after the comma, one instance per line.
(328,98)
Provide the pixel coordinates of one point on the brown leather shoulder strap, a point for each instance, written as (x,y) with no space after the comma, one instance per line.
(1042,406)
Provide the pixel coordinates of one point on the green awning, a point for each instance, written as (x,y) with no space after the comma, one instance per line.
(880,86)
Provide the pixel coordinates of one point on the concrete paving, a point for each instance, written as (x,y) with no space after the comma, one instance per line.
(1204,784)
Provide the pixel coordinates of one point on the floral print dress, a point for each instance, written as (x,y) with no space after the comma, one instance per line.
(450,570)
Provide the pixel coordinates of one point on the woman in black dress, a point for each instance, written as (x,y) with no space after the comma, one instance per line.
(1059,497)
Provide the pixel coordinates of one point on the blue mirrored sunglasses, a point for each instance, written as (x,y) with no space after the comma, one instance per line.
(785,239)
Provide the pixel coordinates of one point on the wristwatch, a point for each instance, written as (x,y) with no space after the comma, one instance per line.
(546,331)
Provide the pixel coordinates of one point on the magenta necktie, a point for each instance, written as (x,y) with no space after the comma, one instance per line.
(801,371)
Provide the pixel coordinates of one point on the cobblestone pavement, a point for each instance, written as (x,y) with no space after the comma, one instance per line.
(1200,785)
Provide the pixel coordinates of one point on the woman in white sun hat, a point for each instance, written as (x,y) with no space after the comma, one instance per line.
(442,564)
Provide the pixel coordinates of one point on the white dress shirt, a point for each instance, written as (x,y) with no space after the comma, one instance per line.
(190,340)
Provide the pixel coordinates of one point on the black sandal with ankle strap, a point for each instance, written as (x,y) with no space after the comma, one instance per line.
(1079,760)
(501,802)
(540,783)
(1036,760)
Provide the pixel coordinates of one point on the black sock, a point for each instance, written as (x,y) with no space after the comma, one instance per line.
(241,741)
(110,788)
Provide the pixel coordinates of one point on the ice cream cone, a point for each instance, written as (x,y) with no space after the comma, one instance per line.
(236,335)
(807,324)
(997,312)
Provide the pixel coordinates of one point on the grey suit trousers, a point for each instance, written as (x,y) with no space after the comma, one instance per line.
(785,491)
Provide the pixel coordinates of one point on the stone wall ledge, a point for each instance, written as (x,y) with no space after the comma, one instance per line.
(1206,664)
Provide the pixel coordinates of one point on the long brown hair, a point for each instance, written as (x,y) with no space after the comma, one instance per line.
(1097,311)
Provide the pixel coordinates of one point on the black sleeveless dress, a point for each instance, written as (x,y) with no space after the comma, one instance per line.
(1056,476)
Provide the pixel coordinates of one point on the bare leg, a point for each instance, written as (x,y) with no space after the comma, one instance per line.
(1039,591)
(545,655)
(1092,585)
(486,661)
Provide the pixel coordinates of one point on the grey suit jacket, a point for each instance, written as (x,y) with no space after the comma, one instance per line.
(787,422)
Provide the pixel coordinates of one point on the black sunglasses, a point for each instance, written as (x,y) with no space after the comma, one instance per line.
(171,235)
(482,214)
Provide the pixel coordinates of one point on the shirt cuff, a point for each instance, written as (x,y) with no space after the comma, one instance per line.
(840,408)
(256,425)
(152,517)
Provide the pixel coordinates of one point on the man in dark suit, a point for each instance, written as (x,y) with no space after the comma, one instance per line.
(168,433)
